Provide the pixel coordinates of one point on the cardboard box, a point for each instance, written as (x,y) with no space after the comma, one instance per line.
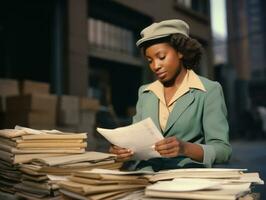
(66,102)
(68,117)
(89,104)
(68,110)
(38,120)
(87,118)
(34,102)
(9,87)
(34,87)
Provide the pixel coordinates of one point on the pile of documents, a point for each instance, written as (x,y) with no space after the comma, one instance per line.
(212,184)
(103,184)
(40,176)
(219,184)
(21,145)
(32,161)
(9,173)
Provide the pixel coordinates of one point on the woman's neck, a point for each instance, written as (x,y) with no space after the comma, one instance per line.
(176,82)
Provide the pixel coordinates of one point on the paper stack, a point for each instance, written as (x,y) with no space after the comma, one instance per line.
(20,145)
(28,156)
(66,164)
(40,177)
(103,184)
(9,174)
(213,184)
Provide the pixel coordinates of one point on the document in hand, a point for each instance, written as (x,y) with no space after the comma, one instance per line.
(139,137)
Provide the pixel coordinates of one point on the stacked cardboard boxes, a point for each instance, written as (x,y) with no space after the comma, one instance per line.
(8,87)
(35,107)
(68,113)
(30,104)
(34,87)
(87,120)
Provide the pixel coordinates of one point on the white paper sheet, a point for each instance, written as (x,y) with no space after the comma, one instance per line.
(117,172)
(139,137)
(184,185)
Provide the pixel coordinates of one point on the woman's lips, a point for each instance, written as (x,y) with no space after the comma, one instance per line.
(161,75)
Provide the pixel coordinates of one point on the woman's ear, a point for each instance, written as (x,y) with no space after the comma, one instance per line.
(180,55)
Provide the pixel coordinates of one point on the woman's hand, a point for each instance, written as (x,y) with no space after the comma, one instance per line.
(170,147)
(122,153)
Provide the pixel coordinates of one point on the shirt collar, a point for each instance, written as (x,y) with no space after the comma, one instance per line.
(194,81)
(191,80)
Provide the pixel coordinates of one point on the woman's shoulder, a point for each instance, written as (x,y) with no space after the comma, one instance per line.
(148,86)
(209,84)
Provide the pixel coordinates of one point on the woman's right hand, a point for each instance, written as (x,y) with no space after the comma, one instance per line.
(122,153)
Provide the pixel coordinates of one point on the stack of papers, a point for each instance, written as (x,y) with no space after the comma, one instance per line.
(213,184)
(64,165)
(9,173)
(23,144)
(36,178)
(213,173)
(103,184)
(30,156)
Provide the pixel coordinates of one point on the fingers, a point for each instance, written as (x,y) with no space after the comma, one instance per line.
(122,153)
(169,147)
(173,152)
(166,144)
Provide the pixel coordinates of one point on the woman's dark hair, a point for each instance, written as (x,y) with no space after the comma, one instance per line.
(190,48)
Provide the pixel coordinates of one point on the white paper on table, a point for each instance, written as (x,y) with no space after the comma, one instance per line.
(118,172)
(184,185)
(139,137)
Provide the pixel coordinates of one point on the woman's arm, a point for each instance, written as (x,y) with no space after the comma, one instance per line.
(217,148)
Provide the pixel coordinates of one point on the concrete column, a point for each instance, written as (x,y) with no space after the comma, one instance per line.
(77,58)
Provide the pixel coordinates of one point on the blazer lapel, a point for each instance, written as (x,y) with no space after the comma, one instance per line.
(180,106)
(152,109)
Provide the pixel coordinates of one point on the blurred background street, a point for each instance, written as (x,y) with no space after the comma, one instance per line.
(250,155)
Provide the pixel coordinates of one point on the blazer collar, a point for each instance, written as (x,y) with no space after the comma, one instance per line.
(191,81)
(152,109)
(181,105)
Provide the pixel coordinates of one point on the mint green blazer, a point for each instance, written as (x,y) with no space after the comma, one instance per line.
(198,116)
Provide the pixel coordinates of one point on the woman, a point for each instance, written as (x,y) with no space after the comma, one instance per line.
(187,108)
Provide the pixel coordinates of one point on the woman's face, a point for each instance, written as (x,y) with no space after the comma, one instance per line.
(164,61)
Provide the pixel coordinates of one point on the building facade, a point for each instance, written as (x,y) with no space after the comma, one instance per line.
(246,56)
(87,47)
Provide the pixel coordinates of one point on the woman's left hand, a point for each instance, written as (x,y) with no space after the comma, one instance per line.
(170,147)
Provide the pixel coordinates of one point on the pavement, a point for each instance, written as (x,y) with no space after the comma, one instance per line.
(251,155)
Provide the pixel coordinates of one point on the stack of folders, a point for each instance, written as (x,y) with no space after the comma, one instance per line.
(213,184)
(99,184)
(9,173)
(29,157)
(40,176)
(20,145)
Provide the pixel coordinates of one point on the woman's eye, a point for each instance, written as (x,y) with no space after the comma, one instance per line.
(162,57)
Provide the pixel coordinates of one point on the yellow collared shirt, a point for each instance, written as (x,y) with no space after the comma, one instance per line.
(191,80)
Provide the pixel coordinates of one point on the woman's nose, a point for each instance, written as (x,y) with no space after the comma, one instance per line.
(157,66)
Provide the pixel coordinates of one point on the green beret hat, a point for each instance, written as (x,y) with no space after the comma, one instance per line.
(163,29)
